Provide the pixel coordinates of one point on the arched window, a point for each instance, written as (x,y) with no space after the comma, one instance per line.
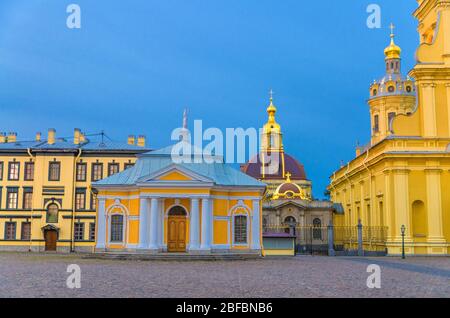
(52,213)
(240,229)
(117,228)
(376,123)
(291,223)
(374,92)
(391,89)
(317,229)
(408,89)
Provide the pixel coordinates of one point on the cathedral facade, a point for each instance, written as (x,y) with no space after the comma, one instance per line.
(288,205)
(401,179)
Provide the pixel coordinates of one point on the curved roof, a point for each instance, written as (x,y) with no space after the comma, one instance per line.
(286,163)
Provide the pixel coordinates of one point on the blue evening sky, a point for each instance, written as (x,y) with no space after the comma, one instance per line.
(136,64)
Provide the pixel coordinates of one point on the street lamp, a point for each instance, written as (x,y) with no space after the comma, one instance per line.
(403,229)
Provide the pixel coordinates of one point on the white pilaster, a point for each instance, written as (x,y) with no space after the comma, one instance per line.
(154,224)
(101,224)
(256,226)
(206,225)
(143,223)
(194,224)
(161,224)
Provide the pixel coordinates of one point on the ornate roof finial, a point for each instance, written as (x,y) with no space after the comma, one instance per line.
(288,176)
(185,118)
(392,51)
(271,95)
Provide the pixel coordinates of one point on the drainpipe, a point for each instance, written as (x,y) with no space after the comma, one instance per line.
(72,228)
(372,207)
(32,208)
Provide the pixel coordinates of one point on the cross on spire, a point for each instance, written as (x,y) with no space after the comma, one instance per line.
(288,176)
(271,92)
(392,27)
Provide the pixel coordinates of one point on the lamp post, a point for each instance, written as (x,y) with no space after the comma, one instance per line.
(403,229)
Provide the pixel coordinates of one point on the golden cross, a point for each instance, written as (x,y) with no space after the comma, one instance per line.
(271,94)
(288,176)
(392,27)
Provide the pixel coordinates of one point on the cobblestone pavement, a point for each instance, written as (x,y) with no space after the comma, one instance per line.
(42,275)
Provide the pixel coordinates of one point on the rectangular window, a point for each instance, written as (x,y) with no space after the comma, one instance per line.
(29,171)
(240,229)
(376,123)
(80,199)
(1,170)
(54,171)
(116,228)
(91,231)
(10,230)
(27,198)
(81,172)
(79,232)
(12,197)
(128,165)
(391,117)
(113,168)
(97,171)
(26,231)
(14,171)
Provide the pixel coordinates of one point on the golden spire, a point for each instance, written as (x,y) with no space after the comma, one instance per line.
(271,110)
(392,51)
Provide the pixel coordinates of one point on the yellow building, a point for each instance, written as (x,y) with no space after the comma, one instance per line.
(161,205)
(402,178)
(46,202)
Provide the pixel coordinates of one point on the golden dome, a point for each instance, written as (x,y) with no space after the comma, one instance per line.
(289,190)
(393,51)
(271,126)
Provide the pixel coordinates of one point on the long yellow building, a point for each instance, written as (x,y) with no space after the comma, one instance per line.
(46,202)
(402,178)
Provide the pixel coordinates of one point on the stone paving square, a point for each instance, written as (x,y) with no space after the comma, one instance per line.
(45,275)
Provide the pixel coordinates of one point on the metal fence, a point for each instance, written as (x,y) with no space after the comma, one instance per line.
(326,240)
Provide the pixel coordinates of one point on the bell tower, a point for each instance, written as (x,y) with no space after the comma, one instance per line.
(390,96)
(271,138)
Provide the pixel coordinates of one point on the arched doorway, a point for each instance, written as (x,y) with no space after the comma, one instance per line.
(50,237)
(176,229)
(291,224)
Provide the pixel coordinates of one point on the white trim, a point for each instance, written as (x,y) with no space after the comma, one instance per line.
(174,196)
(166,213)
(221,218)
(174,168)
(221,246)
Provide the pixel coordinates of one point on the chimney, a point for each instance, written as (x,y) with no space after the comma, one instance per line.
(141,141)
(38,136)
(76,136)
(131,140)
(12,137)
(51,136)
(2,138)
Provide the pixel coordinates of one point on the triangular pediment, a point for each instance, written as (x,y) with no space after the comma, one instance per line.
(174,174)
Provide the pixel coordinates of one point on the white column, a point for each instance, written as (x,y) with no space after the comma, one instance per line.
(154,224)
(101,224)
(194,225)
(206,225)
(161,224)
(143,223)
(256,226)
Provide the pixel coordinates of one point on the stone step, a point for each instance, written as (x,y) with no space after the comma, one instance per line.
(171,257)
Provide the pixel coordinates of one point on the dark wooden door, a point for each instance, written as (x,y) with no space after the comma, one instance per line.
(176,238)
(50,240)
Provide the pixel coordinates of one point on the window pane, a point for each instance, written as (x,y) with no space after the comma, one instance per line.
(81,172)
(79,232)
(10,231)
(12,198)
(240,229)
(26,231)
(92,231)
(113,169)
(80,199)
(97,171)
(116,228)
(52,213)
(27,200)
(54,171)
(1,170)
(29,171)
(14,170)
